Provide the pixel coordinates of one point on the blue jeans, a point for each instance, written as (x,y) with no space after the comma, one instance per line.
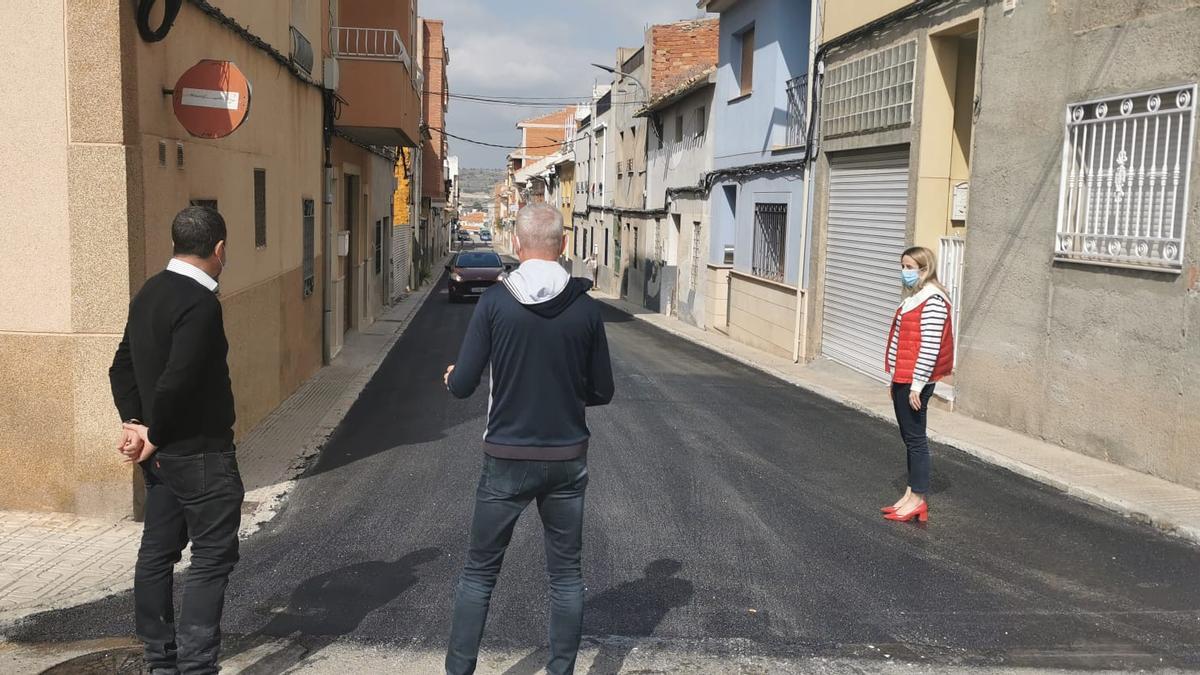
(505,489)
(912,430)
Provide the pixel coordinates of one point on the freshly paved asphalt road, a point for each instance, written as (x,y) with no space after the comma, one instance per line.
(725,508)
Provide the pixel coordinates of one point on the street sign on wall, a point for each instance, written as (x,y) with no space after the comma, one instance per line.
(212,99)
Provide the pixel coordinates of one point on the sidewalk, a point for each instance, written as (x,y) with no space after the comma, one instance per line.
(53,560)
(1175,509)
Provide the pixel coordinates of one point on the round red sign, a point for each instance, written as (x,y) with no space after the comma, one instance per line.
(212,99)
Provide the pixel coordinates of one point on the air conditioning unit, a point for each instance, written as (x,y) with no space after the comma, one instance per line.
(332,74)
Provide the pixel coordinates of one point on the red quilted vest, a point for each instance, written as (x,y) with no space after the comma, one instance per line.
(908,347)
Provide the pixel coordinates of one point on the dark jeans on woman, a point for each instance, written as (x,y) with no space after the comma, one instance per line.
(506,487)
(912,430)
(197,498)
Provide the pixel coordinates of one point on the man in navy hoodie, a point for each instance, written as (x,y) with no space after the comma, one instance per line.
(543,338)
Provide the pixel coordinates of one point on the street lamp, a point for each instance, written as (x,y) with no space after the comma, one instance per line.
(622,75)
(654,118)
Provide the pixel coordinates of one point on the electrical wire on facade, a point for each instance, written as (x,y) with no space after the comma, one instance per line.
(528,98)
(523,103)
(497,145)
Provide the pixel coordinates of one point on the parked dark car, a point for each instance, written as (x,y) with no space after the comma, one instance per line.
(473,272)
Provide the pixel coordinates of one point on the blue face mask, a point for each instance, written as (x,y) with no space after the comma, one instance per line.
(910,277)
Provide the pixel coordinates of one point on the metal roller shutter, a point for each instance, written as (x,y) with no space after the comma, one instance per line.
(868,211)
(401,259)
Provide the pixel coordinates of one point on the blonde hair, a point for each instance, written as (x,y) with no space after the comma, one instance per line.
(928,264)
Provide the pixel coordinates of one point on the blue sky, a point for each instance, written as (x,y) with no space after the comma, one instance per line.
(532,48)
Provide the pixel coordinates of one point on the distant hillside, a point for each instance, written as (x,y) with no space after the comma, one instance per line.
(479,181)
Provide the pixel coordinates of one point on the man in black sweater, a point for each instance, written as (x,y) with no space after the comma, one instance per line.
(543,338)
(170,382)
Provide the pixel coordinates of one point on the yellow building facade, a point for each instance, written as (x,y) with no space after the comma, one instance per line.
(93,218)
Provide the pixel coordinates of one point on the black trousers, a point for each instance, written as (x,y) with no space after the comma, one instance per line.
(912,431)
(195,498)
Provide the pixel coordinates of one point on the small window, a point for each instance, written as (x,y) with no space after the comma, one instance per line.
(679,128)
(308,218)
(378,247)
(162,153)
(699,128)
(770,235)
(746,72)
(260,208)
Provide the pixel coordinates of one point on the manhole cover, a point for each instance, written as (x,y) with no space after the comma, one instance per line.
(126,660)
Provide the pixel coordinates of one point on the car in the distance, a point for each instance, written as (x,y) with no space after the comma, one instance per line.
(473,272)
(485,237)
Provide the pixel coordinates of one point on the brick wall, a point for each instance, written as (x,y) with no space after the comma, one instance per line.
(540,141)
(679,51)
(433,183)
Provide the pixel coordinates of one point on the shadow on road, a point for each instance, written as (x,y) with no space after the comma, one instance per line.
(329,606)
(631,610)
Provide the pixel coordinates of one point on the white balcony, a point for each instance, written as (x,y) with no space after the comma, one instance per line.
(369,44)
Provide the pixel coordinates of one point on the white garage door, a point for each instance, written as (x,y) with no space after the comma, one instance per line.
(868,209)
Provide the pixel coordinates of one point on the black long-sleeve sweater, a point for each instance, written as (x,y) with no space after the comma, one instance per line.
(170,370)
(549,361)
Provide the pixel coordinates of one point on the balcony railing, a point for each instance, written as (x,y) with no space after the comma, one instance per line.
(797,125)
(372,44)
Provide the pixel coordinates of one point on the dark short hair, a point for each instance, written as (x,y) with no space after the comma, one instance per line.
(196,231)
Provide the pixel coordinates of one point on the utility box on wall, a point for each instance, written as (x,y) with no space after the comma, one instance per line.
(958,203)
(343,243)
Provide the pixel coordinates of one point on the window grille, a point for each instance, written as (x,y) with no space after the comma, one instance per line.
(770,230)
(378,247)
(308,217)
(260,208)
(1123,194)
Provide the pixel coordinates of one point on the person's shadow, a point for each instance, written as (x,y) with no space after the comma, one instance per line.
(631,610)
(328,606)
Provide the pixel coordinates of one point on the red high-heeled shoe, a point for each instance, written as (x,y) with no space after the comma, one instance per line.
(888,509)
(921,513)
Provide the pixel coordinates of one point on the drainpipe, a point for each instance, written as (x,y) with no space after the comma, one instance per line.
(418,233)
(800,329)
(386,264)
(327,326)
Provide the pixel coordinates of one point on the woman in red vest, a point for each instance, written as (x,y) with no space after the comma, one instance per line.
(920,351)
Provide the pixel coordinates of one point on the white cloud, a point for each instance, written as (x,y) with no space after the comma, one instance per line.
(532,48)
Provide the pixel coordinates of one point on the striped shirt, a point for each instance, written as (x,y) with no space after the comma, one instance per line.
(933,324)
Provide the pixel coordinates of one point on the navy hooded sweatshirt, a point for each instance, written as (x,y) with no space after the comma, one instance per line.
(544,339)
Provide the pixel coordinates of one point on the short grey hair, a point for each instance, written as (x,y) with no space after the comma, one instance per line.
(540,228)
